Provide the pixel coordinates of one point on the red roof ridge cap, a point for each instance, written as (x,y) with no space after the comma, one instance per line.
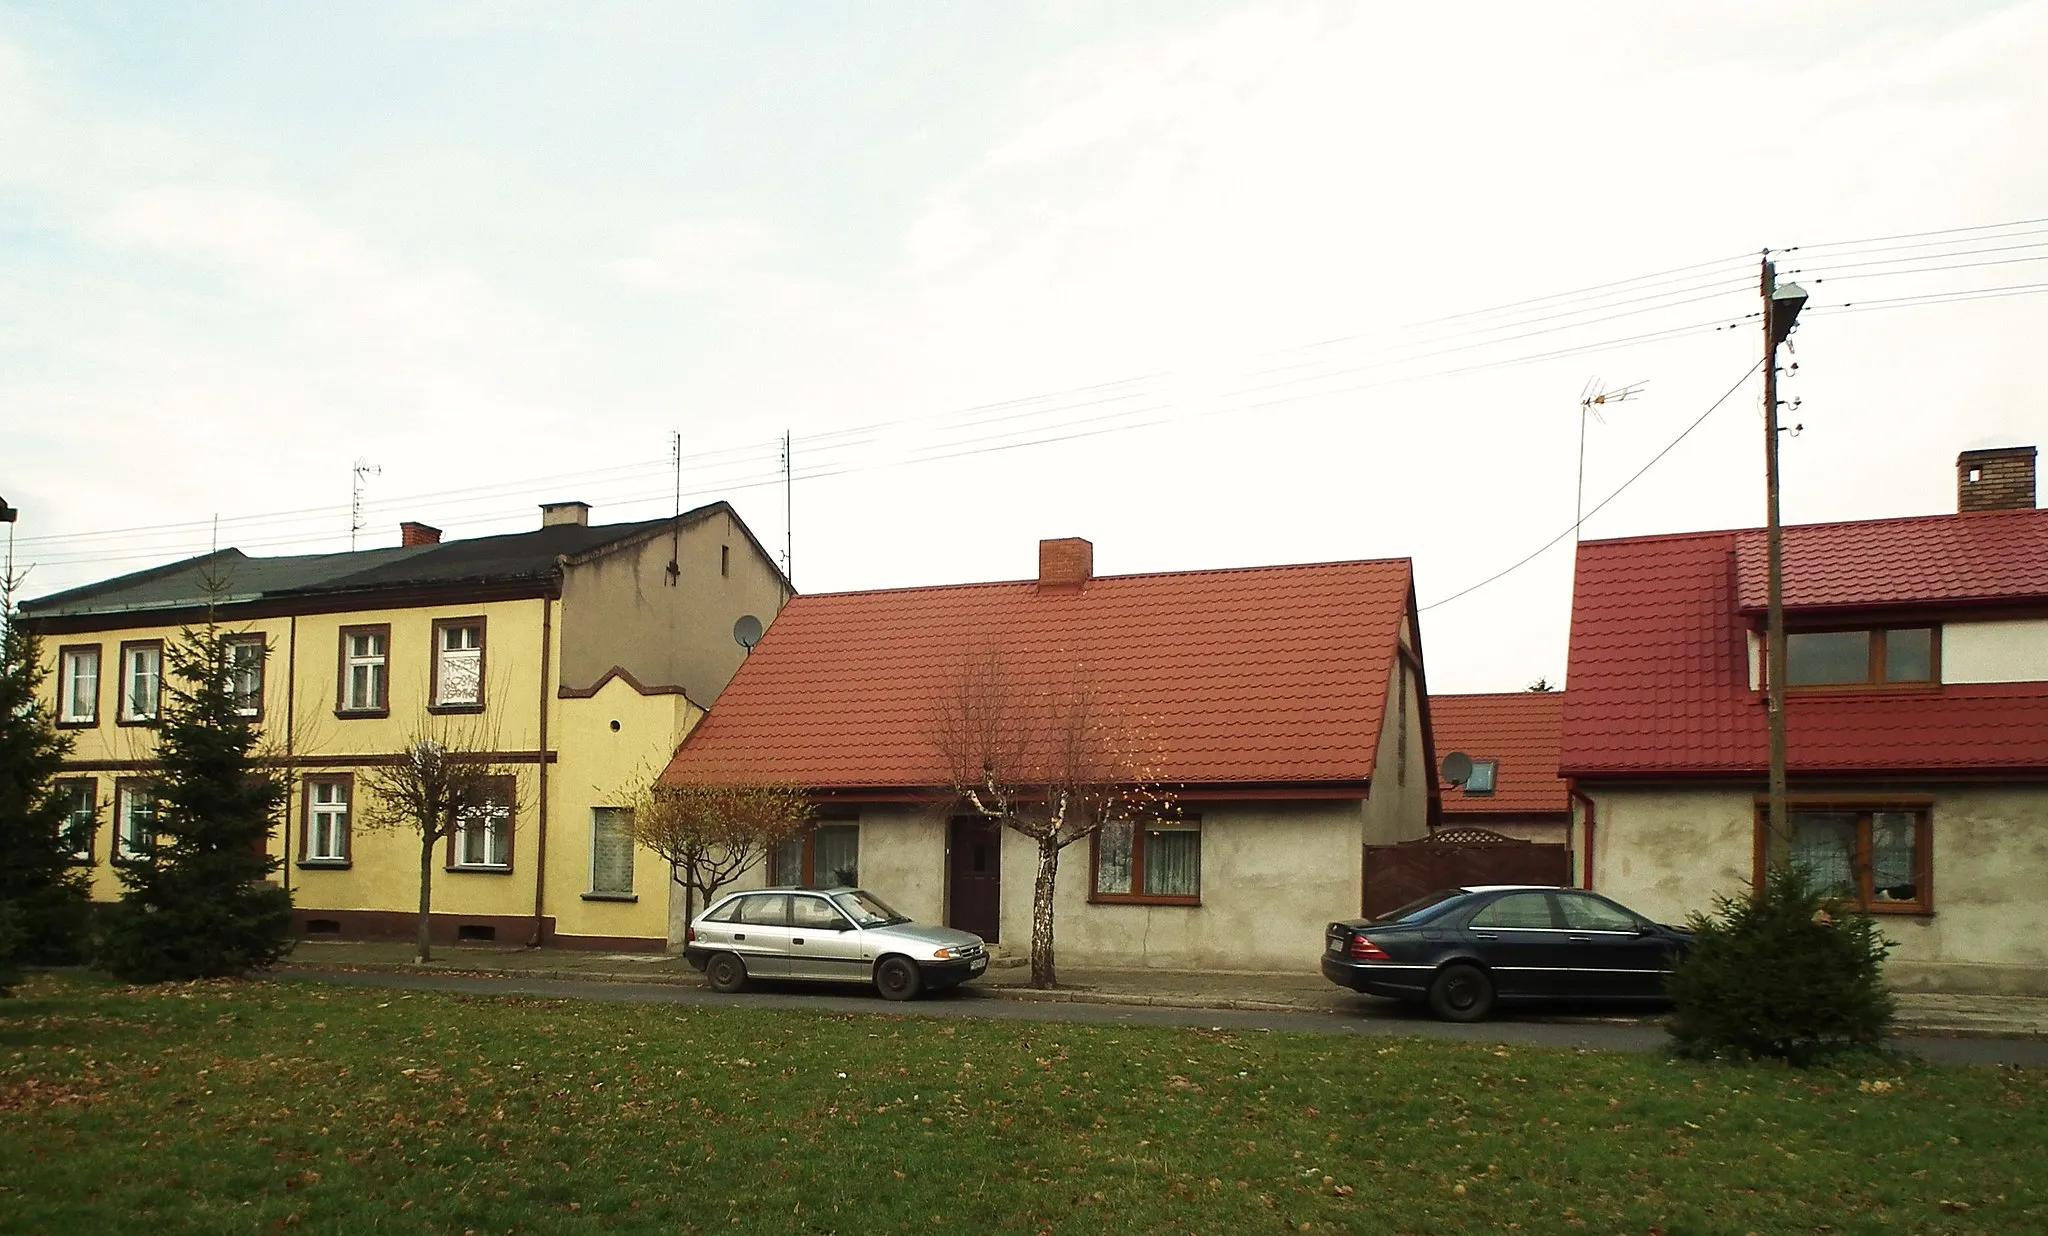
(1406,562)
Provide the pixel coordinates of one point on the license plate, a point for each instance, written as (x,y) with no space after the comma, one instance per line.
(1336,944)
(980,964)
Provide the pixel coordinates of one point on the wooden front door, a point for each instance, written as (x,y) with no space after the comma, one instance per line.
(974,876)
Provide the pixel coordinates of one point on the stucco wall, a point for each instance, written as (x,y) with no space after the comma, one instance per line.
(2014,651)
(1397,806)
(1667,852)
(620,609)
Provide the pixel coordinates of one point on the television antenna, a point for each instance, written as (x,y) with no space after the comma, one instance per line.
(1594,396)
(363,469)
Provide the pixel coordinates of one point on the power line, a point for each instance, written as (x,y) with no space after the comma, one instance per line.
(1540,549)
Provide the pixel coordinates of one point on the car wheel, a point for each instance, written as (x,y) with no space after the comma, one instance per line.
(1461,993)
(725,972)
(897,978)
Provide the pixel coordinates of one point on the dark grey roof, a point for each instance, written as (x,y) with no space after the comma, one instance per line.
(511,558)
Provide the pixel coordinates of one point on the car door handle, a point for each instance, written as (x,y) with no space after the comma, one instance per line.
(1580,939)
(739,935)
(1486,935)
(797,940)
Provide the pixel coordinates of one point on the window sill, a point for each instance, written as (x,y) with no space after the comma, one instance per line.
(79,725)
(1140,899)
(478,869)
(611,896)
(358,714)
(325,864)
(147,723)
(1863,688)
(1893,909)
(454,710)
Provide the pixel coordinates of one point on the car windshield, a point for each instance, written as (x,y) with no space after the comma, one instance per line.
(868,910)
(1422,907)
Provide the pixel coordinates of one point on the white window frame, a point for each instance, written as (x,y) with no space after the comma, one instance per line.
(131,657)
(497,838)
(599,817)
(127,797)
(236,643)
(467,634)
(81,839)
(336,812)
(69,661)
(375,664)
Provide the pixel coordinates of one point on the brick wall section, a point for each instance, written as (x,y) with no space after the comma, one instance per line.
(1067,562)
(2005,480)
(411,533)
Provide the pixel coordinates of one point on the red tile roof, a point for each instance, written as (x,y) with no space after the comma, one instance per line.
(1934,559)
(1659,675)
(1269,674)
(1520,731)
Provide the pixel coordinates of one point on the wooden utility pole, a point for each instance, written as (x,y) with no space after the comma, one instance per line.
(1781,309)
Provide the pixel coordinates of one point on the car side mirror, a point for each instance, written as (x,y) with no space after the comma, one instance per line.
(1646,929)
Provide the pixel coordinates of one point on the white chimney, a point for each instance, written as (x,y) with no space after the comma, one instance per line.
(552,513)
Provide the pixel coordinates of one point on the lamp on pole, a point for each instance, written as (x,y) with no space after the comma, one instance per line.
(1782,303)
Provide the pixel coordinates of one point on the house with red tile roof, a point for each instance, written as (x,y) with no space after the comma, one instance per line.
(1512,739)
(1283,707)
(1916,722)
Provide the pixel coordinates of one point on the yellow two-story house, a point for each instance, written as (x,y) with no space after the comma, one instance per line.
(574,657)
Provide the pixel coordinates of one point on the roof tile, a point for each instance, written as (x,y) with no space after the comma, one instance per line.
(1519,730)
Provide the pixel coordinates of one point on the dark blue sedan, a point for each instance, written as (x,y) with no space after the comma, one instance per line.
(1463,950)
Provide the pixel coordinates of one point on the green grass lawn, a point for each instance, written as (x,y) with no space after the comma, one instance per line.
(248,1107)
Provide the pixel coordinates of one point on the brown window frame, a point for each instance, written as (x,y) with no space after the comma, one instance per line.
(121,716)
(505,794)
(262,641)
(1874,679)
(1136,897)
(348,827)
(483,643)
(810,858)
(86,855)
(341,708)
(99,685)
(122,787)
(1865,807)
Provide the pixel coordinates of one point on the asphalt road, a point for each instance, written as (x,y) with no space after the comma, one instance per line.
(1375,1018)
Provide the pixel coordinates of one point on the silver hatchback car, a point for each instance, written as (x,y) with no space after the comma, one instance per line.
(833,935)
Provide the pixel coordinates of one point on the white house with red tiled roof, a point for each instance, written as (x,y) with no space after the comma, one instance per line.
(1284,707)
(1916,719)
(1512,739)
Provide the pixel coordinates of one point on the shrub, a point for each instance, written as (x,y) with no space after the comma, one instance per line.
(1784,973)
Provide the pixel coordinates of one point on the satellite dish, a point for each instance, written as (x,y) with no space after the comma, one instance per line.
(1457,768)
(747,631)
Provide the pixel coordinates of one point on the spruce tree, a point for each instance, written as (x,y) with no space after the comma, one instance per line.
(197,902)
(43,907)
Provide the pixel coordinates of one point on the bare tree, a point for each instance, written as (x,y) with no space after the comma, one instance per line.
(1051,757)
(711,834)
(444,784)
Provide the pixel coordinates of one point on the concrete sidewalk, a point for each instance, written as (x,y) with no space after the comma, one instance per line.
(1919,1012)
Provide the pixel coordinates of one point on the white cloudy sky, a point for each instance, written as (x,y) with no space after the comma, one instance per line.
(502,250)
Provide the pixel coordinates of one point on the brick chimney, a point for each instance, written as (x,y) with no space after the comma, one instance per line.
(1998,479)
(1067,562)
(411,533)
(552,513)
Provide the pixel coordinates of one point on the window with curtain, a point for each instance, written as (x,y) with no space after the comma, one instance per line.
(823,857)
(1875,858)
(78,686)
(142,668)
(459,663)
(327,820)
(483,834)
(81,816)
(135,812)
(245,675)
(611,851)
(1160,861)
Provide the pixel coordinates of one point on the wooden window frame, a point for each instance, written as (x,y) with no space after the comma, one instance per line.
(259,640)
(99,685)
(86,855)
(507,797)
(1864,806)
(1135,897)
(483,643)
(1874,679)
(123,787)
(593,892)
(348,824)
(121,716)
(341,708)
(810,839)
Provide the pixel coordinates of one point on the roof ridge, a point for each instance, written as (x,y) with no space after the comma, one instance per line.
(1409,562)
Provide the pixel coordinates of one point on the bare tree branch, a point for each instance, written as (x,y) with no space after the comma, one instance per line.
(712,833)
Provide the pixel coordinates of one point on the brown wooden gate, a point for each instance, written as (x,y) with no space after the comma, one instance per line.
(1397,874)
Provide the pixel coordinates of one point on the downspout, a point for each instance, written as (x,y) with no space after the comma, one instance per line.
(291,725)
(540,848)
(1586,866)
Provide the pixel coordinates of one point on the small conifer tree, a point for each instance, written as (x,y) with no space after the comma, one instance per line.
(197,902)
(43,907)
(1784,973)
